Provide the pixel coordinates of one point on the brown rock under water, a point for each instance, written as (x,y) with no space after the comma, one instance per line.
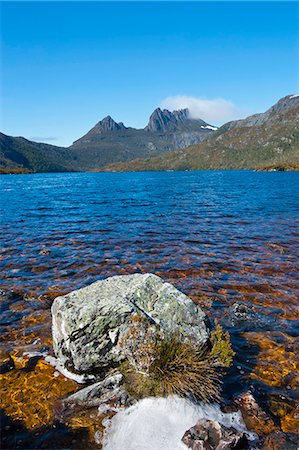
(254,417)
(29,392)
(277,364)
(279,441)
(287,410)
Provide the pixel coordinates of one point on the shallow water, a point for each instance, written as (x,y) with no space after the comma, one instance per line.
(224,238)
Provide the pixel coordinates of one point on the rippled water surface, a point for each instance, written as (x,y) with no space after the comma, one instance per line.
(227,239)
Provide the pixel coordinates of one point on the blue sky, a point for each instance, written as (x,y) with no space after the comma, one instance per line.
(66,65)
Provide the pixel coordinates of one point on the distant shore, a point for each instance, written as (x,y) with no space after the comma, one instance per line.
(288,167)
(276,168)
(15,171)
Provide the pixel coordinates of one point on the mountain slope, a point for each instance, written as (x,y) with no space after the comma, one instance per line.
(267,139)
(271,115)
(17,153)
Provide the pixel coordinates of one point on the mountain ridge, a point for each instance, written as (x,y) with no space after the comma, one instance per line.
(264,139)
(260,140)
(103,126)
(162,121)
(106,142)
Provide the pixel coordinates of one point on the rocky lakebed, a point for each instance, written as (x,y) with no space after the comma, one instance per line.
(136,364)
(195,342)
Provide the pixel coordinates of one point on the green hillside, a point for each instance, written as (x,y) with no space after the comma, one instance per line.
(274,142)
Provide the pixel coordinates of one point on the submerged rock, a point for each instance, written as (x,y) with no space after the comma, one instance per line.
(211,435)
(287,409)
(254,416)
(88,323)
(6,362)
(277,440)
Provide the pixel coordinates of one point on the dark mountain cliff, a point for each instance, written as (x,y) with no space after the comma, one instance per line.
(166,121)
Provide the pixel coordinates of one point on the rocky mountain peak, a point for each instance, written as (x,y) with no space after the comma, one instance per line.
(287,102)
(108,124)
(182,114)
(105,125)
(163,120)
(272,115)
(159,120)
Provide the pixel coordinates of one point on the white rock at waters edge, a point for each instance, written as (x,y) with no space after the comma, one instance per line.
(87,324)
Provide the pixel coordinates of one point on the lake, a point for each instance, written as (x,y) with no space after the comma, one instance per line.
(229,239)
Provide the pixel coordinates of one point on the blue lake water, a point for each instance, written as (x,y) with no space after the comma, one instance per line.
(229,239)
(94,224)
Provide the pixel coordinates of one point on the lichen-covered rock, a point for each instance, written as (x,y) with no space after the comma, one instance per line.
(88,323)
(138,344)
(106,392)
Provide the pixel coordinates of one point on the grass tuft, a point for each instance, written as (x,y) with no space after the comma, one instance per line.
(159,367)
(177,368)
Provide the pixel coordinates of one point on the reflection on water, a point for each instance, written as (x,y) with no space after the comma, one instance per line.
(227,239)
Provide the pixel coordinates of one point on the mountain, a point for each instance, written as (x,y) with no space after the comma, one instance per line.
(18,154)
(166,122)
(271,115)
(107,142)
(100,129)
(266,140)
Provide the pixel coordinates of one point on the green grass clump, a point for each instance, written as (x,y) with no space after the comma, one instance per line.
(159,367)
(221,351)
(178,368)
(181,369)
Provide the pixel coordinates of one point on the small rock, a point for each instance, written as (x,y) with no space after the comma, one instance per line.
(254,417)
(228,407)
(98,437)
(241,314)
(103,409)
(103,392)
(277,248)
(44,251)
(6,362)
(211,435)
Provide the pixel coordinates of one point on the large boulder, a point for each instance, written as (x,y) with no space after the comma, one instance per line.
(88,324)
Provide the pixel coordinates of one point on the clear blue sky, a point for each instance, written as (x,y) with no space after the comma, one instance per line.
(68,64)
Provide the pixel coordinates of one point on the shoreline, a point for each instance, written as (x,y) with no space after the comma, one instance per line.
(275,168)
